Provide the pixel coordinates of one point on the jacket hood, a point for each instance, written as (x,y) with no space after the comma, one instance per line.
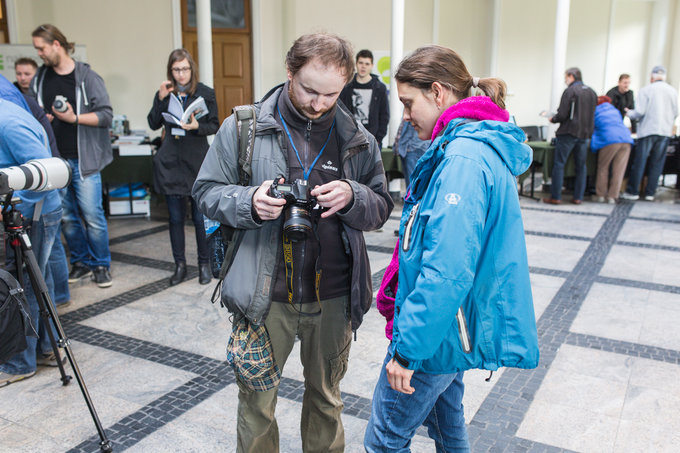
(504,138)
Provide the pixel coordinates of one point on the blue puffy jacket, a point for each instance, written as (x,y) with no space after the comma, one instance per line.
(609,128)
(462,247)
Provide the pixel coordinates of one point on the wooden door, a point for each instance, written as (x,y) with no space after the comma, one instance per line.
(231,39)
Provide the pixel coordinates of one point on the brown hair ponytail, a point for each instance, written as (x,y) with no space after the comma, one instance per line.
(429,64)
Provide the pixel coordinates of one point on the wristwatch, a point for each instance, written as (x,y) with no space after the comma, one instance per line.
(400,360)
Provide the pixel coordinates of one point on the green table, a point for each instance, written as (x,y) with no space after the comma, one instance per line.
(391,164)
(126,170)
(544,157)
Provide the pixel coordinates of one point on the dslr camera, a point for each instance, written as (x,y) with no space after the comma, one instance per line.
(297,212)
(60,103)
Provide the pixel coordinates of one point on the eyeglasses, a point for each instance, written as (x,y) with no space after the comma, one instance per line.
(181,70)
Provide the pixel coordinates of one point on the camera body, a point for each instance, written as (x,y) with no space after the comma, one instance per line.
(297,223)
(60,103)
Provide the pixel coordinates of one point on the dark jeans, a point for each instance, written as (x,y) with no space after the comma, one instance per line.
(42,236)
(652,147)
(177,211)
(564,145)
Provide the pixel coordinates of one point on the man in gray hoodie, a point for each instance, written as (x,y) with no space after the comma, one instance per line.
(82,131)
(315,288)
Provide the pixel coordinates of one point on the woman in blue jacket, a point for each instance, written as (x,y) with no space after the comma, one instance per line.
(464,297)
(611,141)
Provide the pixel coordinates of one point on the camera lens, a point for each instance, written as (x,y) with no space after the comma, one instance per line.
(59,103)
(297,223)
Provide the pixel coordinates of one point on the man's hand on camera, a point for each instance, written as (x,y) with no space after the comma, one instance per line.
(266,207)
(67,116)
(334,195)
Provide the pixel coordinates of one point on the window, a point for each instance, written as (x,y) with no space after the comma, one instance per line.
(224,13)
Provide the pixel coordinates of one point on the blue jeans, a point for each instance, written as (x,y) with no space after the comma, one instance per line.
(42,236)
(437,403)
(88,240)
(409,163)
(564,145)
(177,212)
(652,148)
(59,269)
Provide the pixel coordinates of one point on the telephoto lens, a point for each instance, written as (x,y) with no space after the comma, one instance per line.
(38,175)
(60,103)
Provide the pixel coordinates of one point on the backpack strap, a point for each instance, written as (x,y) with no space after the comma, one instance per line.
(245,133)
(231,237)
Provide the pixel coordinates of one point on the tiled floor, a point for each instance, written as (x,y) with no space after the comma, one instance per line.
(606,286)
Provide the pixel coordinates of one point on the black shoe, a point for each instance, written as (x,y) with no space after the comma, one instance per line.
(179,275)
(102,276)
(78,271)
(204,273)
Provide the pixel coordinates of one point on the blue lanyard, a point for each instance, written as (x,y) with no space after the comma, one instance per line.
(305,173)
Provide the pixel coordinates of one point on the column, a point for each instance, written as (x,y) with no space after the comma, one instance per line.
(396,55)
(204,33)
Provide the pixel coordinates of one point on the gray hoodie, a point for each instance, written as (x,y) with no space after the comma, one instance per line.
(94,143)
(247,287)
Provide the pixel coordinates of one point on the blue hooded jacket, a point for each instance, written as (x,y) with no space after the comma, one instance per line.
(462,247)
(609,128)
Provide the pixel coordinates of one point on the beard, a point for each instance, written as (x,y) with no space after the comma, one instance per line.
(307,112)
(52,61)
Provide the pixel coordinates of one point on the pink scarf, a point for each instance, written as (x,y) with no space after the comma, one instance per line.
(475,107)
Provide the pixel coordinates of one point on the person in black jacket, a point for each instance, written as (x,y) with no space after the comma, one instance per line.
(622,97)
(180,156)
(576,115)
(366,97)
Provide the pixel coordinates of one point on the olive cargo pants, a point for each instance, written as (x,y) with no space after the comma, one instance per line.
(325,340)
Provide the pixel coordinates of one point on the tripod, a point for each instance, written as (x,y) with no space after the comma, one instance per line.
(18,239)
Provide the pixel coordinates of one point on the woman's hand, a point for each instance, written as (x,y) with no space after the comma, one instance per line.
(399,377)
(191,125)
(165,89)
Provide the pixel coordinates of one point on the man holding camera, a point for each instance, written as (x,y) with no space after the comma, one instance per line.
(77,103)
(317,287)
(22,138)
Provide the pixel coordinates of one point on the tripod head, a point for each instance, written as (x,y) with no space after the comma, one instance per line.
(11,215)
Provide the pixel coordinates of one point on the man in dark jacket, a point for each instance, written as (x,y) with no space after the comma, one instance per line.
(82,132)
(366,97)
(622,97)
(576,115)
(289,286)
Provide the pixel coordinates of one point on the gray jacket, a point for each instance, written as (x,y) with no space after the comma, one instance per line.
(656,109)
(94,143)
(248,286)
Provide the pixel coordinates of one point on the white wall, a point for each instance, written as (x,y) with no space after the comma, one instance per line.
(128,43)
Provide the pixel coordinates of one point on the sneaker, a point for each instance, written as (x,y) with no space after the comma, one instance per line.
(611,200)
(630,196)
(649,197)
(7,379)
(78,271)
(597,199)
(49,360)
(102,277)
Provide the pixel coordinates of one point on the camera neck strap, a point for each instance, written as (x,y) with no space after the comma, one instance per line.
(291,279)
(308,171)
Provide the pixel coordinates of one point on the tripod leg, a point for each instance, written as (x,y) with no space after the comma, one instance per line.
(41,291)
(42,296)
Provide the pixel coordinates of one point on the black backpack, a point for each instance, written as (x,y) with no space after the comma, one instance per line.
(15,321)
(225,240)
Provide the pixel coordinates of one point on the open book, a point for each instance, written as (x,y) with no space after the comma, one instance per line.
(177,115)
